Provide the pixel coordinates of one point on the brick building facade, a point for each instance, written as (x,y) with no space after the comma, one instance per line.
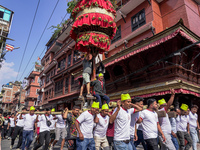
(8,94)
(32,87)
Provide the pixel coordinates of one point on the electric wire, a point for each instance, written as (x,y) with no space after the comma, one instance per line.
(40,38)
(28,39)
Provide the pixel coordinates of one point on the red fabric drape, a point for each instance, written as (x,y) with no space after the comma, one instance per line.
(84,22)
(101,41)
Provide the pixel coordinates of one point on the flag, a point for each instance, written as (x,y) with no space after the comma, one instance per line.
(9,47)
(38,58)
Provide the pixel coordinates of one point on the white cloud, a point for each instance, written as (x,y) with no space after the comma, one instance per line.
(7,73)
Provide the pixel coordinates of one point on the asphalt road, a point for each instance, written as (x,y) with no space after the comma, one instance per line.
(5,145)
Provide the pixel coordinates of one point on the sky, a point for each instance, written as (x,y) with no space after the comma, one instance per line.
(24,11)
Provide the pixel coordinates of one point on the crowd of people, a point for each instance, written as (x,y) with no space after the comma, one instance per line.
(120,128)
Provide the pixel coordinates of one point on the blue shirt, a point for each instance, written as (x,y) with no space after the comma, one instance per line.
(173,124)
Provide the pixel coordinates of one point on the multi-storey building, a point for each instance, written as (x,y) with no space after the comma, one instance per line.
(18,100)
(137,63)
(8,93)
(32,88)
(6,17)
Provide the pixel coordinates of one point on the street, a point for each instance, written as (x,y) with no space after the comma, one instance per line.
(5,145)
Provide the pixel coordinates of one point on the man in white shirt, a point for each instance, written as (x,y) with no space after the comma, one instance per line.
(52,130)
(60,130)
(18,130)
(45,122)
(182,125)
(122,119)
(165,123)
(194,125)
(84,125)
(11,126)
(150,125)
(134,117)
(29,121)
(101,128)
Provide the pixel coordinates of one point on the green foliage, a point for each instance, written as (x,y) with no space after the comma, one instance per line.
(58,28)
(18,82)
(56,31)
(36,63)
(2,91)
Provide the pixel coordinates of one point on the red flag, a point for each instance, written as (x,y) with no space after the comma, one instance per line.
(9,47)
(38,58)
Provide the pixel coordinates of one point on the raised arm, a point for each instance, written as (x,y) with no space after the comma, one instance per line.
(66,113)
(113,117)
(15,118)
(137,108)
(96,119)
(20,117)
(171,100)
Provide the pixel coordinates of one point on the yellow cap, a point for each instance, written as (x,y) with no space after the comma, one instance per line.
(95,105)
(162,101)
(32,108)
(105,106)
(100,75)
(184,107)
(125,97)
(53,110)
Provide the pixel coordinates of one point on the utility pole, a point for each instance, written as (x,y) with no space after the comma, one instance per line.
(1,49)
(19,97)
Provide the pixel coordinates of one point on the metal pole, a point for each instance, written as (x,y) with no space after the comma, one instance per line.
(1,50)
(19,97)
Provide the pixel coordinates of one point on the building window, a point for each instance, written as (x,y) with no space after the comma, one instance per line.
(138,20)
(74,84)
(27,92)
(37,90)
(47,78)
(47,60)
(58,88)
(5,14)
(33,80)
(117,35)
(66,84)
(61,64)
(39,81)
(69,60)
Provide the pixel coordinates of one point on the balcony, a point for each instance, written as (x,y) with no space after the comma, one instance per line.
(126,8)
(65,31)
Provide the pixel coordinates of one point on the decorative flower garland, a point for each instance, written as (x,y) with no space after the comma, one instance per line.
(75,6)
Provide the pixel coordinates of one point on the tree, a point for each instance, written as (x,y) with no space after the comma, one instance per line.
(2,91)
(18,82)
